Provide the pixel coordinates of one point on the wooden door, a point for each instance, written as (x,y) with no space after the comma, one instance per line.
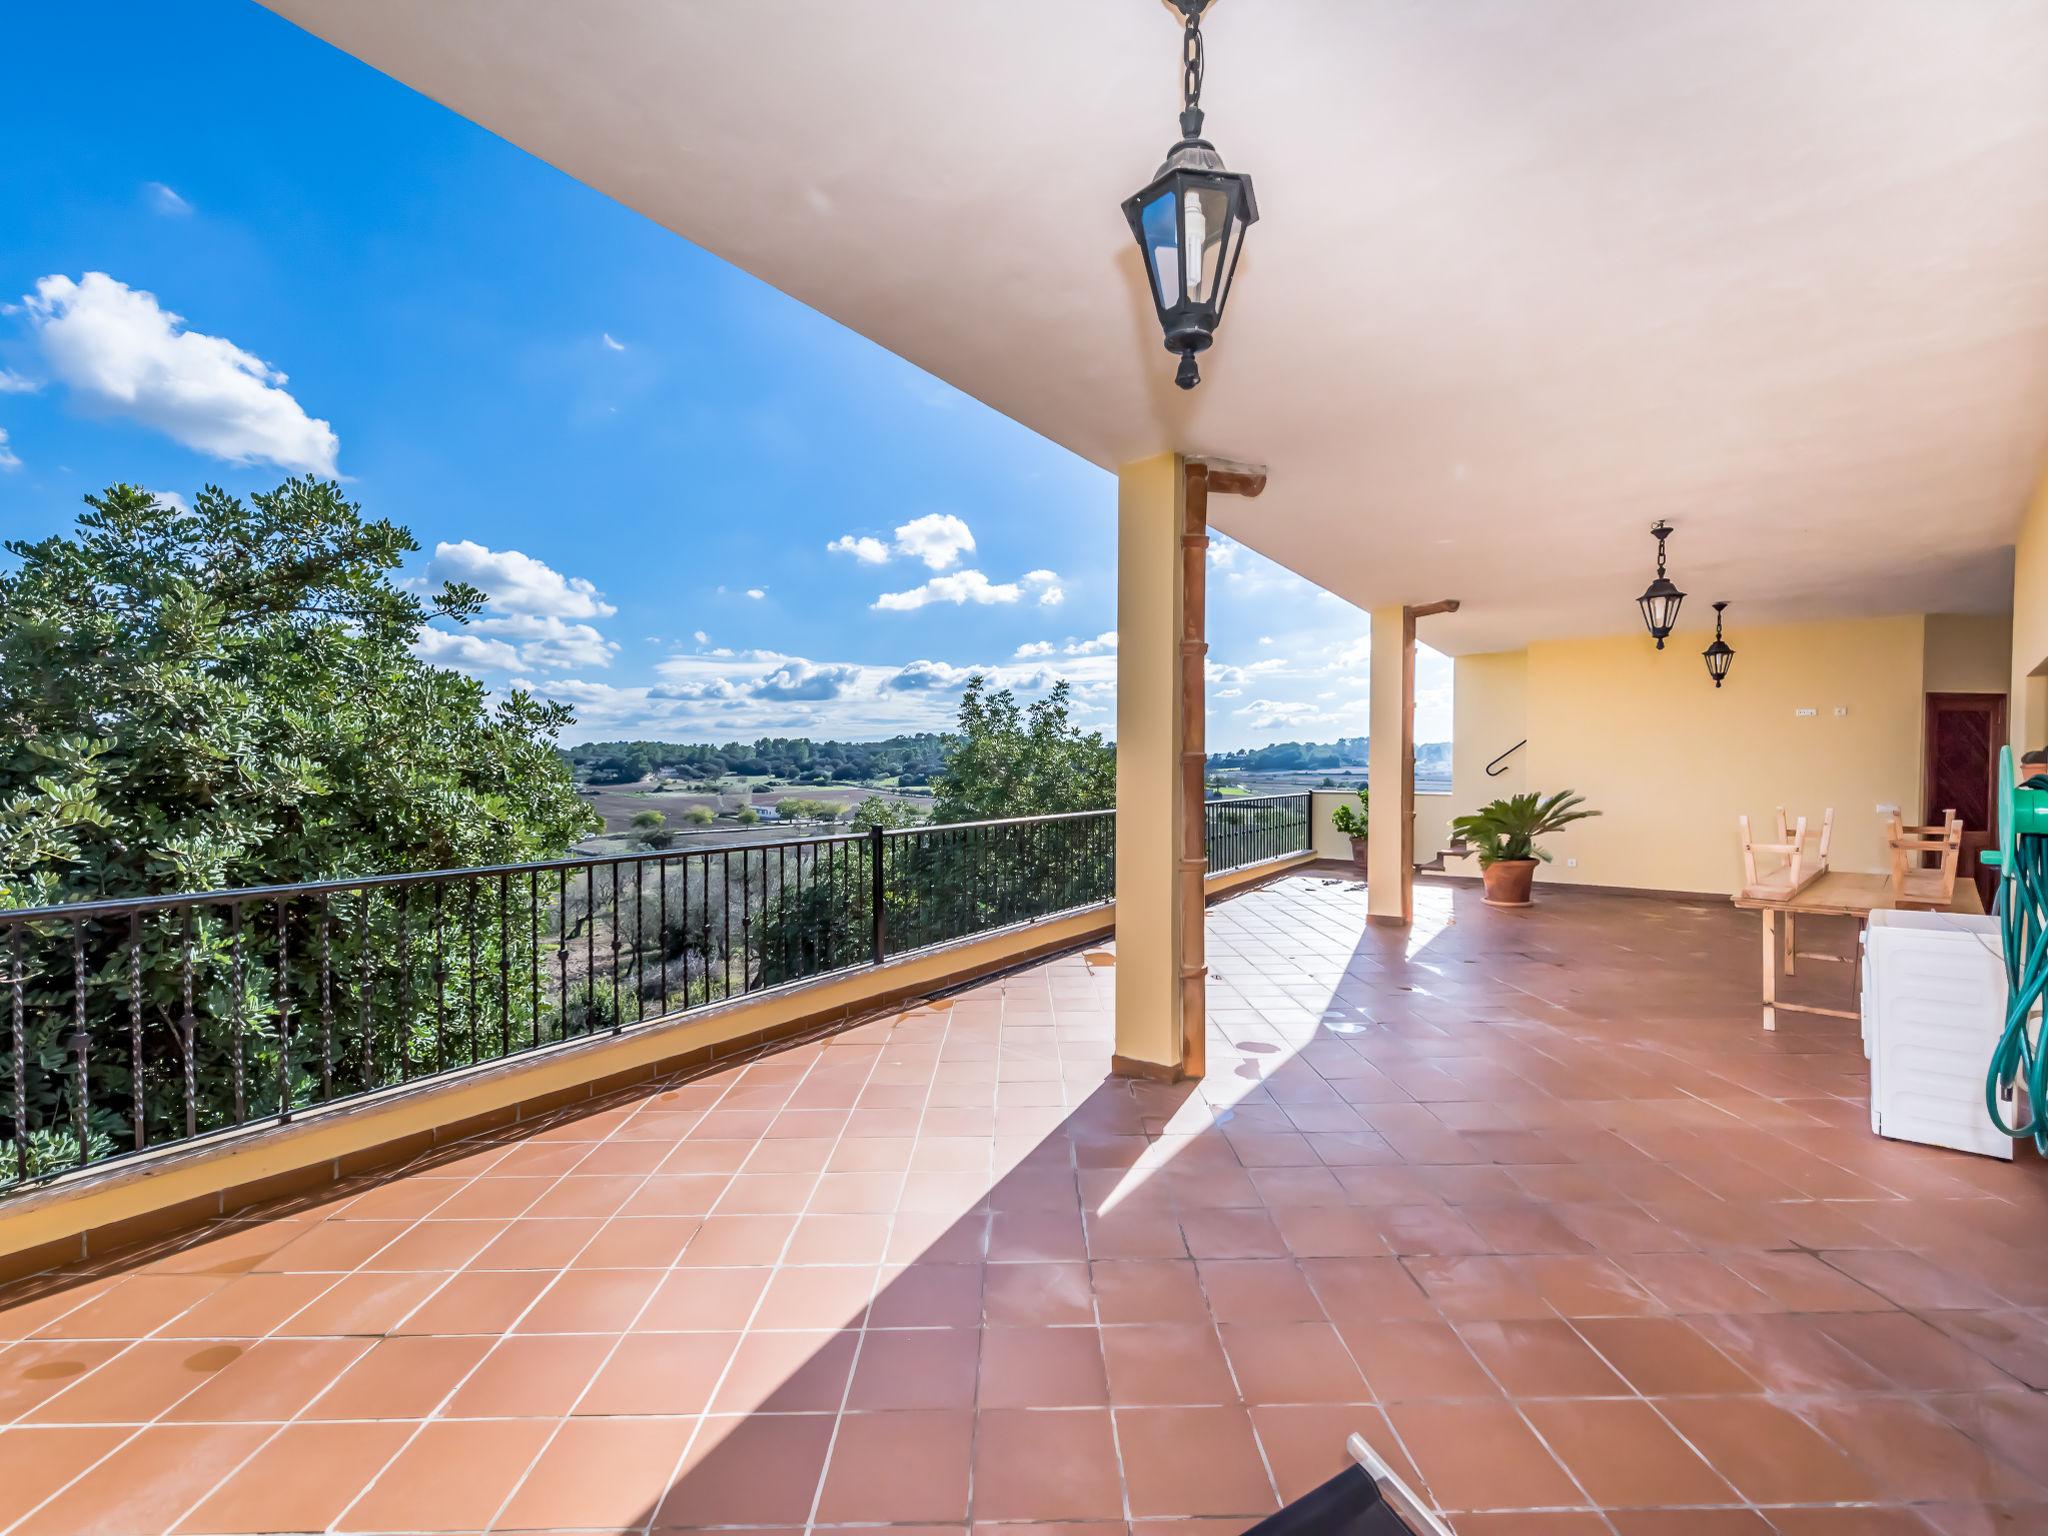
(1964,733)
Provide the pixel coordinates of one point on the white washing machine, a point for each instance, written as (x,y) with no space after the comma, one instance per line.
(1934,996)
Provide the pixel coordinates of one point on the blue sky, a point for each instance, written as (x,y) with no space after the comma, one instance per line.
(703,511)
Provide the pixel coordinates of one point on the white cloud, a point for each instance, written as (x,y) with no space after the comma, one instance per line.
(1265,639)
(1050,594)
(1034,648)
(518,583)
(1229,693)
(463,652)
(923,676)
(1051,597)
(958,588)
(867,550)
(12,383)
(550,642)
(1101,645)
(164,200)
(9,459)
(172,500)
(1221,551)
(700,637)
(757,593)
(939,539)
(802,680)
(116,346)
(611,343)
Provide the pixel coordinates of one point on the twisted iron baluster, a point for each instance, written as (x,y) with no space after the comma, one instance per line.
(469,923)
(404,983)
(15,980)
(363,1006)
(81,1041)
(235,970)
(440,980)
(284,1016)
(137,1107)
(188,1037)
(326,999)
(504,968)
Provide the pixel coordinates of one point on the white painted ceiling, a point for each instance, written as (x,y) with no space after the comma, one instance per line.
(1530,275)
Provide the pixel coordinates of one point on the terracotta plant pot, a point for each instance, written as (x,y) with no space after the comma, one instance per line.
(1358,853)
(1508,881)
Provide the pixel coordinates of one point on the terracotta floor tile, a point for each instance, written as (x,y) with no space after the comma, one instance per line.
(1916,1454)
(130,1388)
(787,1373)
(899,1468)
(1032,1295)
(754,1471)
(35,1463)
(148,1483)
(1478,1456)
(1042,1368)
(591,1301)
(1541,1358)
(531,1376)
(416,1491)
(270,1381)
(817,1296)
(929,1296)
(405,1377)
(709,1299)
(1912,1354)
(1769,1453)
(32,1373)
(1624,1455)
(1258,1291)
(1663,1356)
(916,1368)
(364,1304)
(138,1306)
(473,1303)
(1015,1447)
(664,1374)
(1304,1445)
(739,1240)
(1414,1361)
(1156,1364)
(301,1480)
(1193,1461)
(599,1472)
(1148,1291)
(1292,1363)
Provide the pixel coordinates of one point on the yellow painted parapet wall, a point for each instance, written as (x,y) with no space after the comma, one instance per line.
(1670,761)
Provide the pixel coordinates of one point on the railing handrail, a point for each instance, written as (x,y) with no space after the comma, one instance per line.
(996,821)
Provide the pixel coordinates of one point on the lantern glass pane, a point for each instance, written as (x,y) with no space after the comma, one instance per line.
(1208,221)
(1162,248)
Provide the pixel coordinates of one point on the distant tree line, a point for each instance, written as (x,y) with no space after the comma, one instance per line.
(1320,756)
(912,759)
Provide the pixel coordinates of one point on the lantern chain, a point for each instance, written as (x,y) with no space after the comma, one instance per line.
(1191,63)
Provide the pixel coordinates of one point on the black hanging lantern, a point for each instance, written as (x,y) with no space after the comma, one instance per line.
(1720,653)
(1660,599)
(1190,221)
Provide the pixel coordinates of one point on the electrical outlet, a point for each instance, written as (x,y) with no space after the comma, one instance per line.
(1803,713)
(1841,710)
(1887,810)
(1571,863)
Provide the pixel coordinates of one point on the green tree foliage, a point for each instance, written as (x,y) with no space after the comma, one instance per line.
(792,809)
(650,830)
(228,696)
(876,811)
(785,757)
(1009,760)
(700,816)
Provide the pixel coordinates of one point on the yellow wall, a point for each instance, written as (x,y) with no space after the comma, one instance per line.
(1670,761)
(1967,652)
(2027,710)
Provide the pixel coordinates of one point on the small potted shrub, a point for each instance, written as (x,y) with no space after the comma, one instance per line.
(1353,824)
(1504,835)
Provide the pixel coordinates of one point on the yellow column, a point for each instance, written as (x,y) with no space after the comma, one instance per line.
(1150,789)
(1388,873)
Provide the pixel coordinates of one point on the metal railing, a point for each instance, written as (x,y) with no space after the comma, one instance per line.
(135,1023)
(1250,829)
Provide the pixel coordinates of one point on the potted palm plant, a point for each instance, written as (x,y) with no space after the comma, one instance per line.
(1353,824)
(1504,836)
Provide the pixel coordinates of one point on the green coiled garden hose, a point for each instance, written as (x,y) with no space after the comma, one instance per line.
(2021,1060)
